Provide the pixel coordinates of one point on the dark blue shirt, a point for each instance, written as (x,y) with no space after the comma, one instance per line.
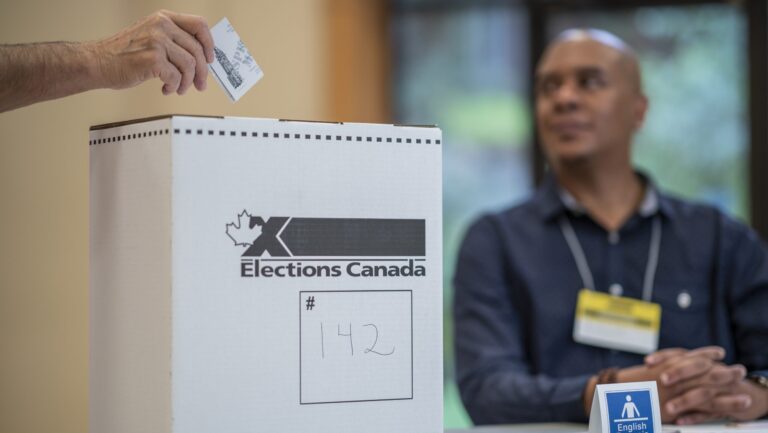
(516,285)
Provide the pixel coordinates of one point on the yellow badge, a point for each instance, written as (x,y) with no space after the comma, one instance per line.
(616,322)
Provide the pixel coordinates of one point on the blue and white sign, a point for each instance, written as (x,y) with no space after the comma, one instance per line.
(625,408)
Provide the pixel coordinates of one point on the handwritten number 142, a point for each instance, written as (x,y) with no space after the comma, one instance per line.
(347,333)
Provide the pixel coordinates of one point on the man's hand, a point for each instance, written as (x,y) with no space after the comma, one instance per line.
(744,401)
(698,393)
(171,46)
(669,368)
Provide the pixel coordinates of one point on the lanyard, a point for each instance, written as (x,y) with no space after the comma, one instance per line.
(581,259)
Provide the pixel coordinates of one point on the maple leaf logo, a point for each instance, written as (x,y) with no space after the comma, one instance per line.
(241,233)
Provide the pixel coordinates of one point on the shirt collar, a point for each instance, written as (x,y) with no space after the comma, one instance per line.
(552,200)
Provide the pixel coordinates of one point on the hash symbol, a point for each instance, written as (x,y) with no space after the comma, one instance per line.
(310,302)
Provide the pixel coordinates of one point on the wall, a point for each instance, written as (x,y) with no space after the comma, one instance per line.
(44,180)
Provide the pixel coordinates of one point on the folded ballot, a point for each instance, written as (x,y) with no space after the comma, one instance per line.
(261,275)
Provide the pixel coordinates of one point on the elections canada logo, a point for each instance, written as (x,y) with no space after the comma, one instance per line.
(294,247)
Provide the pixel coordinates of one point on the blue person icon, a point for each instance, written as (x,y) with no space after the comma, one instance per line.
(630,409)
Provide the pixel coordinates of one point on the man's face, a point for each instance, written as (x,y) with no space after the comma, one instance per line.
(588,101)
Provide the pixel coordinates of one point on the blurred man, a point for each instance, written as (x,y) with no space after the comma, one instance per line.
(171,46)
(598,226)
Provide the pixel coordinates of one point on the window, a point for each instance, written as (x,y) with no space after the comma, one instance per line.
(465,65)
(466,70)
(695,140)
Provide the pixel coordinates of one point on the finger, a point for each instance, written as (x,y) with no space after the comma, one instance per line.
(731,403)
(684,369)
(693,400)
(193,47)
(197,27)
(719,376)
(715,353)
(697,418)
(726,375)
(185,64)
(169,75)
(664,355)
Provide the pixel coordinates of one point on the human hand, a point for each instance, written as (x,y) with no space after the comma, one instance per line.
(678,365)
(672,366)
(699,389)
(171,46)
(743,401)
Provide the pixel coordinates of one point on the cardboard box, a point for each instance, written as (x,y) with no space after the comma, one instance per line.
(261,275)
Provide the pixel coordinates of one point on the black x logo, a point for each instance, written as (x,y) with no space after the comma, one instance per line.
(268,240)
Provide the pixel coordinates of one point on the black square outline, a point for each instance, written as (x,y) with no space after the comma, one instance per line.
(301,298)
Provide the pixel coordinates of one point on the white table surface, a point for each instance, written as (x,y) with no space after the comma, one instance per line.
(720,427)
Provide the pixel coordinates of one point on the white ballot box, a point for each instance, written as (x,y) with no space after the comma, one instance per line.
(261,275)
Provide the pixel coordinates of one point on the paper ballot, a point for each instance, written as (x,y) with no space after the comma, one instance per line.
(233,66)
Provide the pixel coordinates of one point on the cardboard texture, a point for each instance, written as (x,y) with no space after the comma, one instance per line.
(259,275)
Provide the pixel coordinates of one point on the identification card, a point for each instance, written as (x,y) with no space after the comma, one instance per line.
(616,322)
(625,408)
(233,66)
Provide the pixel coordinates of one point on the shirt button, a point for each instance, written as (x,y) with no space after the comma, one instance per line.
(613,238)
(684,300)
(615,289)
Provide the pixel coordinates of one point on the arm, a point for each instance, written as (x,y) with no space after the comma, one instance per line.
(745,279)
(723,392)
(493,373)
(171,46)
(746,284)
(37,72)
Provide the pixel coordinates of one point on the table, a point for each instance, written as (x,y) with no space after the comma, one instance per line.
(760,426)
(525,428)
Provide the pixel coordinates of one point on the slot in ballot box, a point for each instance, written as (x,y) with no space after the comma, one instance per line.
(261,275)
